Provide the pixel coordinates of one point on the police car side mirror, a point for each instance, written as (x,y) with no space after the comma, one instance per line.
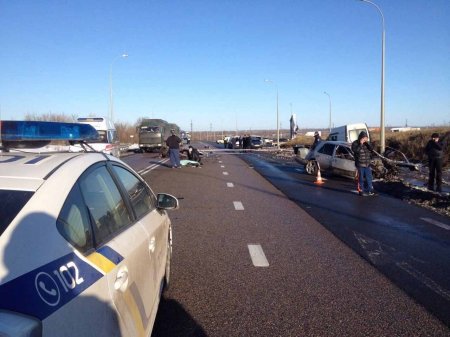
(166,201)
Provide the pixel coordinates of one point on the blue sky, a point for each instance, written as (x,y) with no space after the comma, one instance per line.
(205,61)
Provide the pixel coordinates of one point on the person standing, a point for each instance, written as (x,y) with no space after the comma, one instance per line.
(317,140)
(362,150)
(435,153)
(173,142)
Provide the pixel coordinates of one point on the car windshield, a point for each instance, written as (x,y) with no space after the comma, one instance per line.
(150,128)
(12,203)
(103,136)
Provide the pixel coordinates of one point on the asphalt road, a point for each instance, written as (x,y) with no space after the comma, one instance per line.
(303,280)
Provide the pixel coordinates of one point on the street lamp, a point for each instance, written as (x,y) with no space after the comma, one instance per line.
(278,123)
(329,98)
(111,101)
(382,134)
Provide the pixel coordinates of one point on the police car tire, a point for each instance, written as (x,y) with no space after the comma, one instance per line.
(168,266)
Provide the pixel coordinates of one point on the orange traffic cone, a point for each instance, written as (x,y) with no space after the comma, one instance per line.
(319,180)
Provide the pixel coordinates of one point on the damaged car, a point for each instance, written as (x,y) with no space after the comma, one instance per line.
(336,158)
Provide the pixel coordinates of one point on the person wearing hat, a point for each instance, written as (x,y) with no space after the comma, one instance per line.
(317,140)
(173,142)
(435,153)
(362,150)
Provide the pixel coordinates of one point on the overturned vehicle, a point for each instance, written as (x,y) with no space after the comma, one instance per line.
(336,157)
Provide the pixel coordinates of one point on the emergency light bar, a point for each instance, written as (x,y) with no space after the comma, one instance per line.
(18,131)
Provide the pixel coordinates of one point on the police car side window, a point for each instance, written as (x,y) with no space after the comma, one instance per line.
(142,199)
(106,206)
(73,222)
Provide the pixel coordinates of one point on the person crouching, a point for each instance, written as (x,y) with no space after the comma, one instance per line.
(194,155)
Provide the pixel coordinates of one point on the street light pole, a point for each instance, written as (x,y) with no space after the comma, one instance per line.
(111,101)
(382,133)
(278,122)
(329,98)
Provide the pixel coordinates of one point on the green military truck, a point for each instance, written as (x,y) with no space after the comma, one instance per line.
(153,134)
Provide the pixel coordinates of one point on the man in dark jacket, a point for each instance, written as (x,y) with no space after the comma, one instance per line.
(362,150)
(435,153)
(194,155)
(173,142)
(317,140)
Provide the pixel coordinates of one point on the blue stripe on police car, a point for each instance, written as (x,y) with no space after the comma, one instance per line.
(43,291)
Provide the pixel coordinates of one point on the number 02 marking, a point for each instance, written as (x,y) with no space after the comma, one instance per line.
(68,279)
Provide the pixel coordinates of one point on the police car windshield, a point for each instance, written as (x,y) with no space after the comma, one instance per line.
(12,203)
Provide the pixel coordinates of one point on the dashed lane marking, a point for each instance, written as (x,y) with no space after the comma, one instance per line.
(222,166)
(230,185)
(436,223)
(257,255)
(238,206)
(225,173)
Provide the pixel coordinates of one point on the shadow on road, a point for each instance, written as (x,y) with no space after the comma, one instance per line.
(173,320)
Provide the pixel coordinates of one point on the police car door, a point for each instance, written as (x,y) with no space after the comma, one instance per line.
(121,249)
(156,225)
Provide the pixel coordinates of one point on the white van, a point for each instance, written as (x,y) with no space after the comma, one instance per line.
(109,140)
(348,133)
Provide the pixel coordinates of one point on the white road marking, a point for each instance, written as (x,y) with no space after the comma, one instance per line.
(220,162)
(436,223)
(238,206)
(225,173)
(153,166)
(257,255)
(230,185)
(222,166)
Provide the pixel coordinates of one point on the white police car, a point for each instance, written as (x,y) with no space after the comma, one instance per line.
(85,245)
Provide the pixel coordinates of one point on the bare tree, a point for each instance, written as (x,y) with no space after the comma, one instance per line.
(126,132)
(49,117)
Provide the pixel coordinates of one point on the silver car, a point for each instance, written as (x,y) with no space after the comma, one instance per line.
(334,157)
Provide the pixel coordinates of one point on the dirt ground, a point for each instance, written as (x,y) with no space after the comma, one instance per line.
(407,185)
